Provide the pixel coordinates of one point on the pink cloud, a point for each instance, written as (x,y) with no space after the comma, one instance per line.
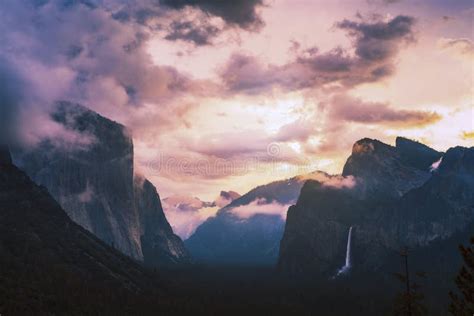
(350,109)
(332,181)
(261,206)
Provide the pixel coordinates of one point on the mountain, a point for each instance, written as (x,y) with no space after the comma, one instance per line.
(94,182)
(186,203)
(416,154)
(226,197)
(385,171)
(186,212)
(48,262)
(249,229)
(160,246)
(395,202)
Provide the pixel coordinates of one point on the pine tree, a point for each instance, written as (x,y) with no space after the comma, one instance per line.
(410,301)
(464,305)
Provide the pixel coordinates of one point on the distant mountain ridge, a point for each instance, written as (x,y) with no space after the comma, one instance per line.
(96,185)
(230,239)
(186,212)
(187,203)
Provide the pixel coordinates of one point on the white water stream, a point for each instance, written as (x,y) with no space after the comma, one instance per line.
(347,264)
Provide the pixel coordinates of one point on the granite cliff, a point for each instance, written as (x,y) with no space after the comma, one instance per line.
(395,202)
(96,185)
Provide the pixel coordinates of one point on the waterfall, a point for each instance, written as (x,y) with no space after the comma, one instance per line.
(347,264)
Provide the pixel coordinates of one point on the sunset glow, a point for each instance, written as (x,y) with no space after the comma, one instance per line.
(306,77)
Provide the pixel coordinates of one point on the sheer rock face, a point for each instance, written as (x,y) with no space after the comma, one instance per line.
(381,171)
(92,180)
(160,246)
(416,154)
(395,202)
(443,204)
(38,239)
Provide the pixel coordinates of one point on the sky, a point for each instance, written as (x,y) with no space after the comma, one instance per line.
(228,95)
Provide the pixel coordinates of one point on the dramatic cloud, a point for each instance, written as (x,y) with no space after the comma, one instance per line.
(242,13)
(377,41)
(356,110)
(194,21)
(190,32)
(261,206)
(105,65)
(375,46)
(213,103)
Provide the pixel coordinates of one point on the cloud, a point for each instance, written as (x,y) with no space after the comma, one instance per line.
(183,203)
(261,206)
(467,135)
(435,165)
(105,66)
(375,45)
(330,181)
(186,213)
(241,13)
(194,21)
(377,41)
(229,144)
(185,223)
(299,130)
(383,2)
(87,195)
(350,109)
(190,32)
(460,46)
(24,119)
(225,198)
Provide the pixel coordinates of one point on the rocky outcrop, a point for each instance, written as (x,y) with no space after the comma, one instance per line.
(396,202)
(160,246)
(228,196)
(416,154)
(443,205)
(381,171)
(93,180)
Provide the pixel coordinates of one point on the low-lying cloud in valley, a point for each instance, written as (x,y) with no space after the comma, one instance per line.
(260,206)
(332,181)
(186,213)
